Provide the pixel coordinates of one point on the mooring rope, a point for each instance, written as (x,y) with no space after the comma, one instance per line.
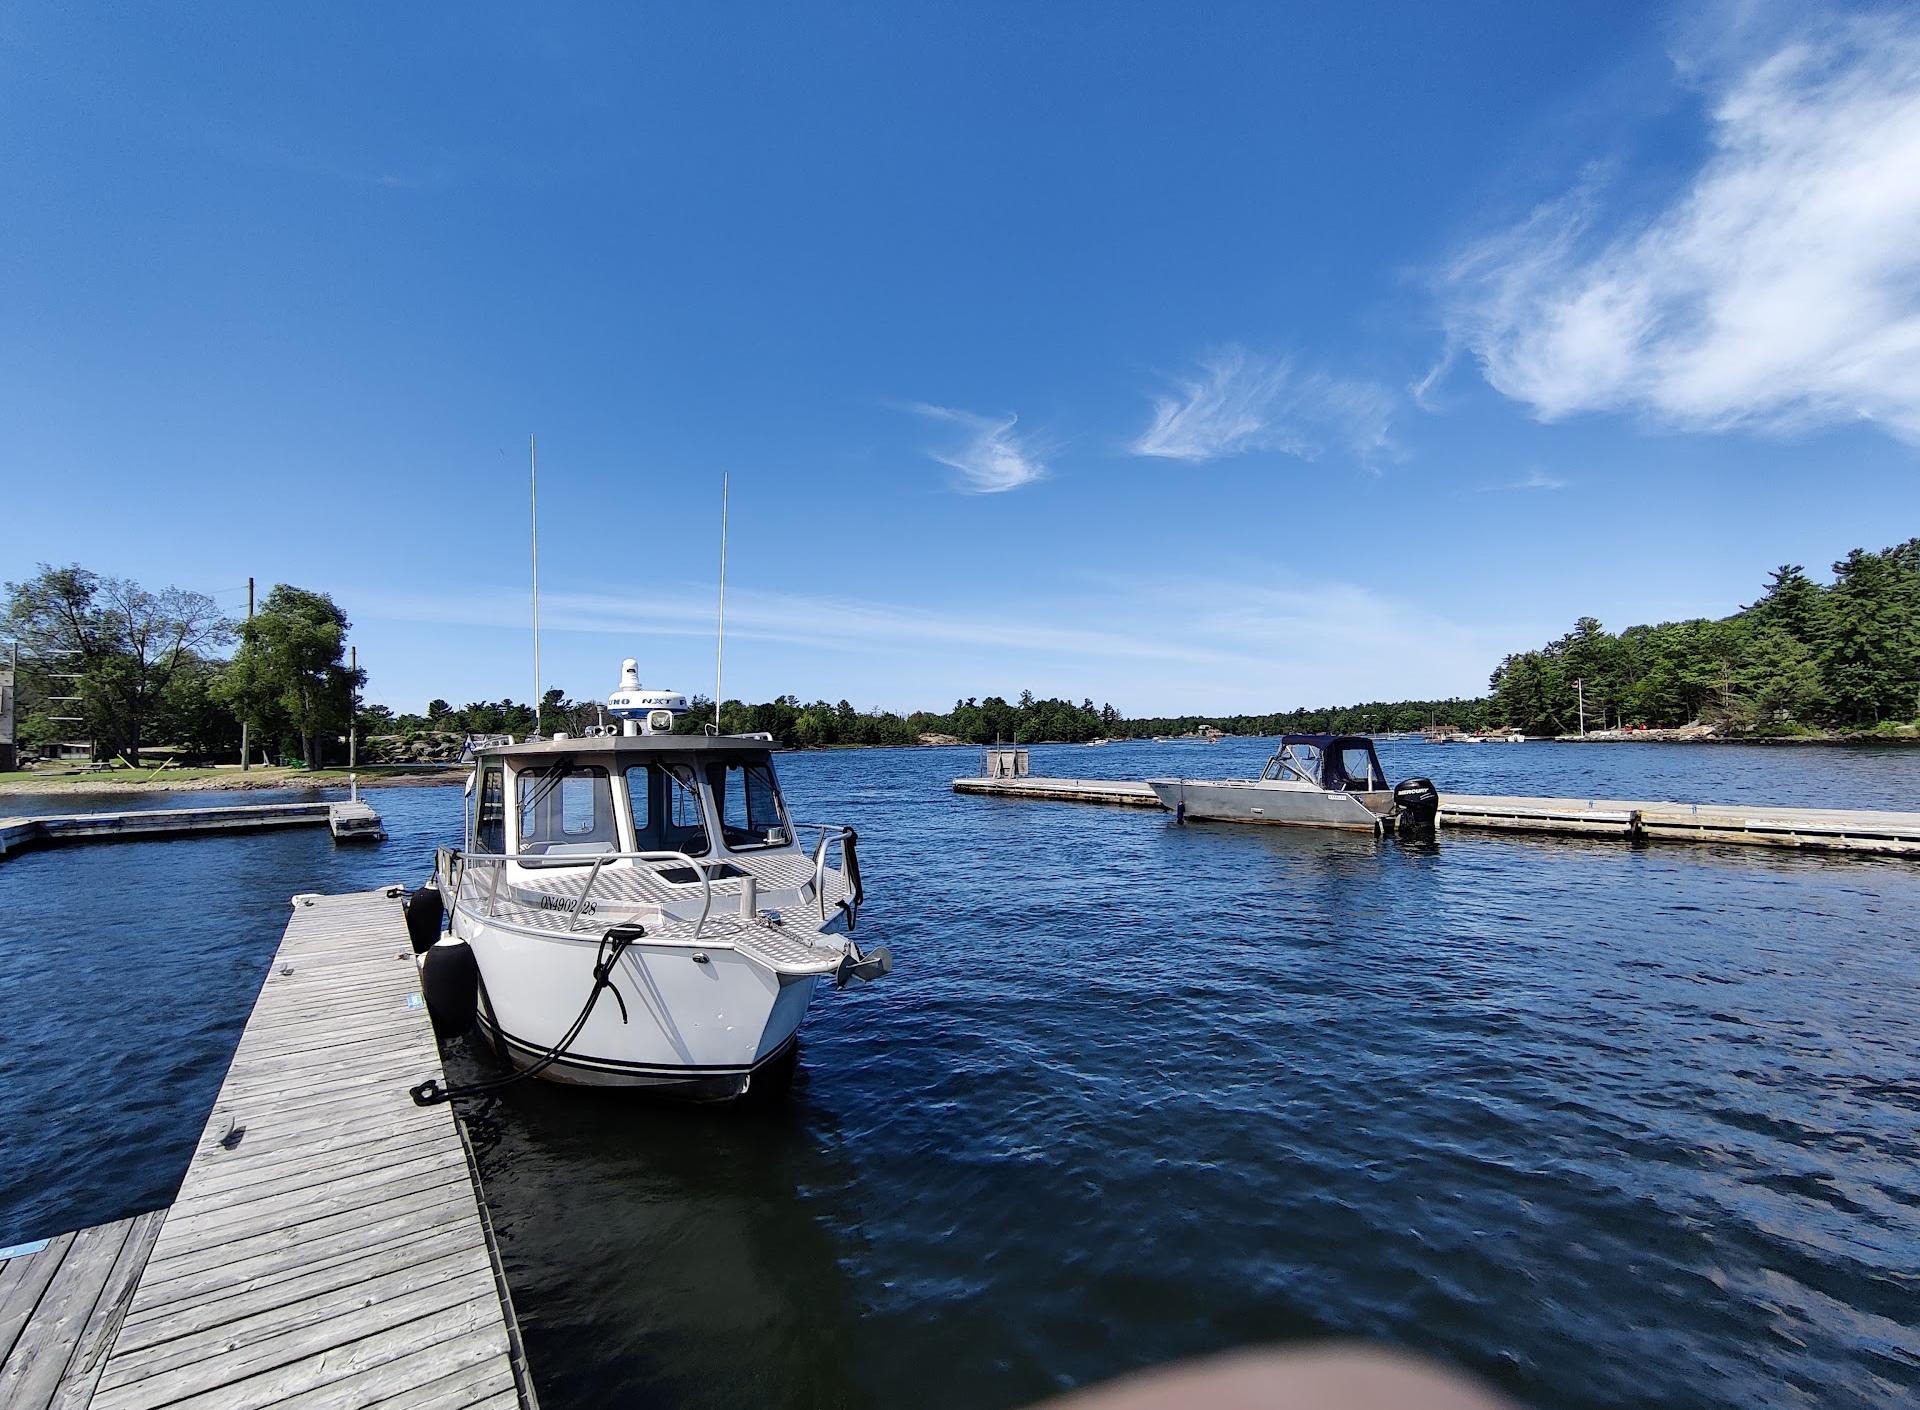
(613,944)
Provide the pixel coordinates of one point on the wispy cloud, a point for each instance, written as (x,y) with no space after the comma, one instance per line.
(1426,390)
(1777,290)
(1233,637)
(1238,402)
(407,170)
(1537,480)
(796,619)
(991,458)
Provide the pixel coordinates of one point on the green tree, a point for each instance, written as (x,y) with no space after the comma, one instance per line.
(1779,681)
(190,715)
(289,674)
(1870,657)
(125,644)
(1793,603)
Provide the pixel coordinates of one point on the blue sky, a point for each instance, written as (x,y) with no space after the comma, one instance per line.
(1225,357)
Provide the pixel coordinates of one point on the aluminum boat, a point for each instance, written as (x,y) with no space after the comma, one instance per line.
(1312,780)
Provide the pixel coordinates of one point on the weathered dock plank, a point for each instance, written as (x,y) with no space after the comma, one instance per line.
(61,1302)
(328,1245)
(1868,832)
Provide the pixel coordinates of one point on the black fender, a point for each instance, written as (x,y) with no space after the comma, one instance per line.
(450,979)
(426,912)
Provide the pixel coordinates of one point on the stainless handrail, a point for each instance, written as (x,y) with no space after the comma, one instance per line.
(498,860)
(828,833)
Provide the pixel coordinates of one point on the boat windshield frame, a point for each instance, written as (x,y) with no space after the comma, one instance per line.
(686,761)
(1286,766)
(716,794)
(1325,768)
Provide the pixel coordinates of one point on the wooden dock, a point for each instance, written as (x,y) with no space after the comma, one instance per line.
(1122,793)
(355,821)
(1746,825)
(329,1244)
(61,1301)
(344,818)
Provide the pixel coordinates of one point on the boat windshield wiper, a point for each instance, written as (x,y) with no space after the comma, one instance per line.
(549,781)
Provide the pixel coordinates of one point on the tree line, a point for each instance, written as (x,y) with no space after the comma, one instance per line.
(106,659)
(108,662)
(1843,655)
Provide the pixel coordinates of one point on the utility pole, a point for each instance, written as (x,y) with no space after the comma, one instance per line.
(244,764)
(1580,687)
(353,723)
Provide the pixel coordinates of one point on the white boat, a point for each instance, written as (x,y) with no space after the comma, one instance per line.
(641,910)
(1312,780)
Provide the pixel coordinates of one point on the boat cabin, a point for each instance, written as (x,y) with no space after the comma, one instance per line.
(559,803)
(1338,763)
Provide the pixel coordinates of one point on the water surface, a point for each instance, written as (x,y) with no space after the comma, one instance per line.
(1610,1127)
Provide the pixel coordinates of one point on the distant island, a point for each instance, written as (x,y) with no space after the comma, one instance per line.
(132,672)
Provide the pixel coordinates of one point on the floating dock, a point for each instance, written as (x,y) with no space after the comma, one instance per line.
(355,821)
(1121,793)
(329,1245)
(61,1301)
(345,818)
(1738,824)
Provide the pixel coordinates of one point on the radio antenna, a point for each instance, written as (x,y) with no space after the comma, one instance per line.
(720,637)
(533,488)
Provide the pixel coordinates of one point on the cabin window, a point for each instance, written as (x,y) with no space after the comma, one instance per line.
(667,816)
(639,803)
(1361,772)
(490,823)
(749,801)
(566,811)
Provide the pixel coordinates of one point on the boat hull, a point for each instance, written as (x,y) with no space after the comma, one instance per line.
(697,1022)
(1277,804)
(676,1084)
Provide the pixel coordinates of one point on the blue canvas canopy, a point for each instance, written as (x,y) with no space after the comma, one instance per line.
(1341,762)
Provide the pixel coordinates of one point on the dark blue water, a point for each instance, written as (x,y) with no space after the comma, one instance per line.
(1609,1127)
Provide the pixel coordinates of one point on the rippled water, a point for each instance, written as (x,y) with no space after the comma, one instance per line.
(1610,1127)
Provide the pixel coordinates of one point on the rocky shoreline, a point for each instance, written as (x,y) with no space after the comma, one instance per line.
(1848,739)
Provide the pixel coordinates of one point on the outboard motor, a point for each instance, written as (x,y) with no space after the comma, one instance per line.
(1416,804)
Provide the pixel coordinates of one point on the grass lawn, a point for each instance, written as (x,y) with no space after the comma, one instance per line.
(229,776)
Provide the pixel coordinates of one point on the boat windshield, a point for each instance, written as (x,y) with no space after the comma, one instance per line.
(566,812)
(1296,763)
(750,812)
(667,816)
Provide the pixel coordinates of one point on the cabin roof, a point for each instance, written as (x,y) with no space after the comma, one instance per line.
(1327,741)
(633,745)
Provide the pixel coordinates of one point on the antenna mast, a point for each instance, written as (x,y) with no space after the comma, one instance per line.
(533,486)
(720,640)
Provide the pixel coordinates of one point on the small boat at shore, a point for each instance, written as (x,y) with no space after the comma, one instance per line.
(639,910)
(1312,780)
